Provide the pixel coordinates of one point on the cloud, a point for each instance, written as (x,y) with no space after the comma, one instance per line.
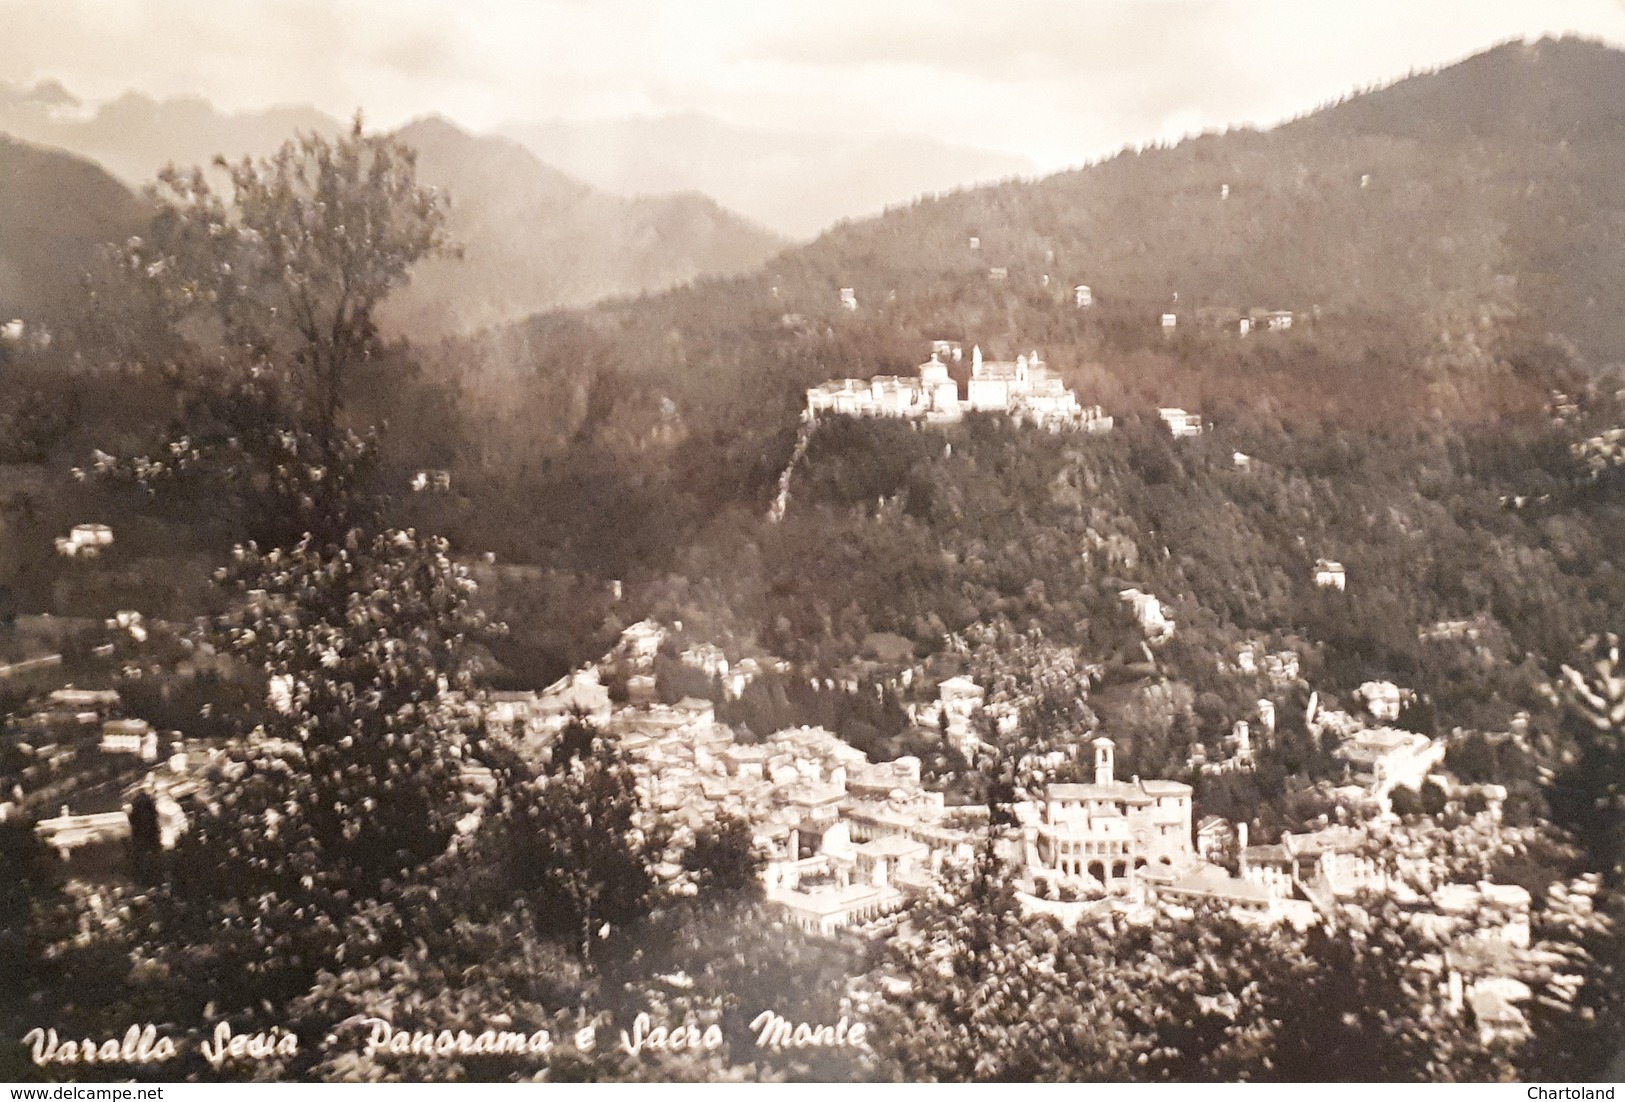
(239,55)
(1020,39)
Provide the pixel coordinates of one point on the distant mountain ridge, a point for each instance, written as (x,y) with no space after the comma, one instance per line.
(1492,189)
(135,136)
(795,183)
(534,238)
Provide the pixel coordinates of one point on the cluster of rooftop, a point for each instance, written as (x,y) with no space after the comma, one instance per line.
(847,840)
(850,841)
(853,841)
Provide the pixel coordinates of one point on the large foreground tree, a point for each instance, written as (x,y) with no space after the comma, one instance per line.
(313,836)
(973,989)
(261,308)
(574,844)
(1588,796)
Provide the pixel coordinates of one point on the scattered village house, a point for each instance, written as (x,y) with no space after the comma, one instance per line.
(85,541)
(67,832)
(640,643)
(129,736)
(1330,575)
(959,698)
(1385,758)
(1385,700)
(1148,611)
(1179,422)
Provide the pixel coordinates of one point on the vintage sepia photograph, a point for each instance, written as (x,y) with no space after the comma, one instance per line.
(867,541)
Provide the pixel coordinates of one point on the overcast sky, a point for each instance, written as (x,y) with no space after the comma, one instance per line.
(1057,80)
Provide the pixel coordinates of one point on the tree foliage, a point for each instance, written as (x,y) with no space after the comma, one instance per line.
(1589,796)
(575,846)
(349,794)
(261,309)
(1198,998)
(723,857)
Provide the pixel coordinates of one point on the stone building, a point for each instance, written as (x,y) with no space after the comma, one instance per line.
(1385,758)
(931,395)
(1330,575)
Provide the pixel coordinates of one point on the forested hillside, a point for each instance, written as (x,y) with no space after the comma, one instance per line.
(1489,190)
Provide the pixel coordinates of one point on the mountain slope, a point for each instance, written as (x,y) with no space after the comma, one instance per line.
(55,209)
(1542,127)
(797,184)
(1490,193)
(534,238)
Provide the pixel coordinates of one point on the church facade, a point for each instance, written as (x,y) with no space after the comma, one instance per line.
(1111,833)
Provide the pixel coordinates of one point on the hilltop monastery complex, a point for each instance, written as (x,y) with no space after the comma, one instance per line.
(1023,388)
